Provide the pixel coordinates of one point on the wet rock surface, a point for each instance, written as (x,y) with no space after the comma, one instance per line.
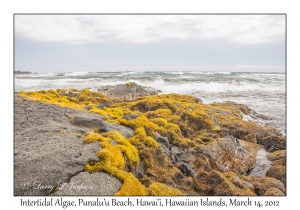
(262,164)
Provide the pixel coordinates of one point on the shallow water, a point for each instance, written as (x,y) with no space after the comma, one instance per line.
(261,165)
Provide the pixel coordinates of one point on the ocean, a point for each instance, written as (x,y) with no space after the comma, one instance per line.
(265,93)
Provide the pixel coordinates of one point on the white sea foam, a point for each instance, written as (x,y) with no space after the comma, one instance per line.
(158,83)
(175,72)
(278,75)
(211,87)
(265,93)
(127,73)
(223,72)
(77,73)
(200,72)
(28,82)
(208,72)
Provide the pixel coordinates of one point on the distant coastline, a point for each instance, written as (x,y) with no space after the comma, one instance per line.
(22,72)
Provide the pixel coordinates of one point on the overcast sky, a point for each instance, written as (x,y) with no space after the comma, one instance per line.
(67,43)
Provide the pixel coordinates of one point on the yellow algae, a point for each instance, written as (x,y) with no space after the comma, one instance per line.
(99,111)
(82,96)
(131,186)
(54,93)
(176,97)
(51,97)
(42,91)
(155,104)
(158,189)
(76,134)
(159,113)
(61,90)
(86,91)
(114,112)
(197,119)
(92,137)
(180,118)
(73,99)
(141,137)
(129,83)
(99,95)
(174,119)
(96,130)
(113,162)
(123,146)
(139,122)
(22,92)
(111,156)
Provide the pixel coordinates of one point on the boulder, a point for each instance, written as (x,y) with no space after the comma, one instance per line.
(220,184)
(226,154)
(174,154)
(123,91)
(125,131)
(250,137)
(113,142)
(94,184)
(89,122)
(276,141)
(170,182)
(87,107)
(162,140)
(199,101)
(98,122)
(128,91)
(186,156)
(104,103)
(163,150)
(48,149)
(274,192)
(186,168)
(277,169)
(263,184)
(140,172)
(175,150)
(131,116)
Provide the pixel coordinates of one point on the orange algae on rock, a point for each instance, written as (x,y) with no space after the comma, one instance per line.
(217,183)
(278,166)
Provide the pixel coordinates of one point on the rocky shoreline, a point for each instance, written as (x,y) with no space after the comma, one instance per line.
(128,140)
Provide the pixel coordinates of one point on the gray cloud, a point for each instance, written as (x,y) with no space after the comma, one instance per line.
(174,55)
(141,29)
